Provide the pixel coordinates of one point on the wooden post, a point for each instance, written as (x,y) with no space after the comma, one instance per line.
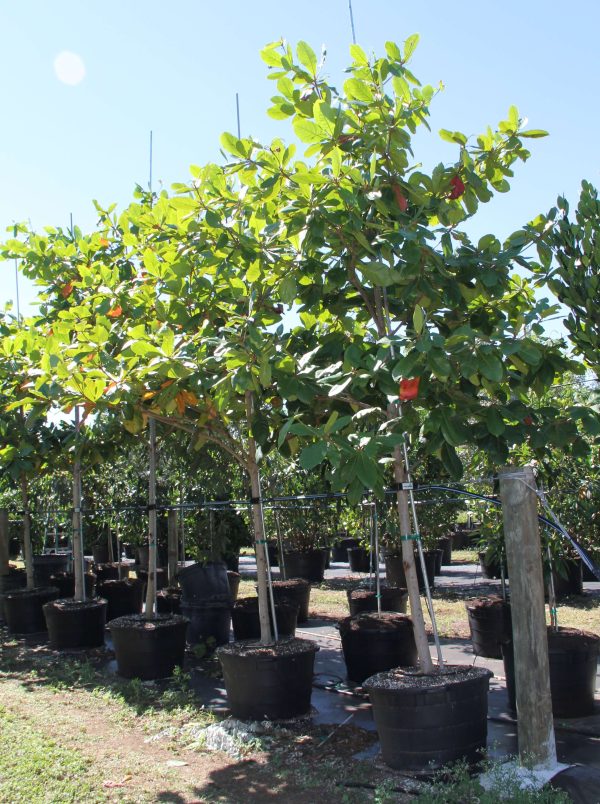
(151,586)
(78,562)
(4,539)
(530,640)
(172,546)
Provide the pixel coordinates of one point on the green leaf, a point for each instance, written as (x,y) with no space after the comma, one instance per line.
(533,133)
(494,422)
(306,57)
(393,51)
(307,130)
(418,319)
(359,55)
(288,289)
(401,88)
(232,145)
(378,274)
(490,366)
(452,463)
(410,45)
(340,387)
(313,455)
(366,469)
(359,90)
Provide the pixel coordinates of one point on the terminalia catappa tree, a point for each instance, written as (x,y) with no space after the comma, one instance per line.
(173,309)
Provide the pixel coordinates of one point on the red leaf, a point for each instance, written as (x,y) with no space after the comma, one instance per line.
(458,187)
(401,199)
(66,290)
(115,312)
(409,389)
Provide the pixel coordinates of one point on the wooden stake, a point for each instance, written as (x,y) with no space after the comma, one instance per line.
(172,546)
(537,745)
(4,540)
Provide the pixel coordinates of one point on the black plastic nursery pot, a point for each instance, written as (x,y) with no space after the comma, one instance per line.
(374,642)
(273,554)
(209,621)
(65,582)
(107,572)
(339,551)
(307,564)
(394,569)
(148,649)
(393,598)
(490,625)
(295,591)
(14,547)
(570,580)
(246,623)
(100,553)
(204,581)
(359,559)
(490,566)
(14,579)
(49,564)
(445,545)
(124,597)
(268,682)
(168,600)
(161,577)
(573,657)
(233,579)
(23,609)
(588,575)
(74,624)
(427,721)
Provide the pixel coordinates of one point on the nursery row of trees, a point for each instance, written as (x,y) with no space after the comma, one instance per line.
(318,305)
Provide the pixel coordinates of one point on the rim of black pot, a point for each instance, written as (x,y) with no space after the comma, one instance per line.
(412,679)
(256,649)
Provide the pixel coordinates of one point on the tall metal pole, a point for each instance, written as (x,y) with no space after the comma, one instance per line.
(150,165)
(78,559)
(237,110)
(352,21)
(151,587)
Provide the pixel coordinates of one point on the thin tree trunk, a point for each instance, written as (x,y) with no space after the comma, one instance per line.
(77,534)
(410,570)
(27,549)
(173,546)
(4,542)
(151,586)
(259,531)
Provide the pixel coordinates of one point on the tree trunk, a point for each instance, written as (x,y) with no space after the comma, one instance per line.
(78,563)
(410,570)
(259,531)
(27,550)
(151,586)
(4,542)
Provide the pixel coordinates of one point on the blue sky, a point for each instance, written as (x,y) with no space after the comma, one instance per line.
(175,69)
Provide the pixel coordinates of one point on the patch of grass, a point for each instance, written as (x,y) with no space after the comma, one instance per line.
(465,557)
(37,769)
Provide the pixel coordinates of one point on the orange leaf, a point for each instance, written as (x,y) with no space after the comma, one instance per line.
(180,402)
(166,383)
(66,290)
(103,242)
(401,199)
(115,312)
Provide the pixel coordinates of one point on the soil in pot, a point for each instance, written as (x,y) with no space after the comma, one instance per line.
(74,624)
(268,682)
(374,642)
(204,581)
(394,569)
(490,624)
(246,624)
(233,579)
(339,552)
(65,582)
(359,559)
(307,564)
(124,597)
(295,591)
(107,572)
(209,621)
(49,564)
(148,649)
(23,609)
(168,601)
(393,598)
(573,656)
(427,721)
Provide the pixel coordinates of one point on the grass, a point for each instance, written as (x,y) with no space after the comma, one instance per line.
(35,768)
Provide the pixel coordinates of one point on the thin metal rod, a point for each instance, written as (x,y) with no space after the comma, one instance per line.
(352,21)
(377,576)
(17,280)
(150,165)
(237,111)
